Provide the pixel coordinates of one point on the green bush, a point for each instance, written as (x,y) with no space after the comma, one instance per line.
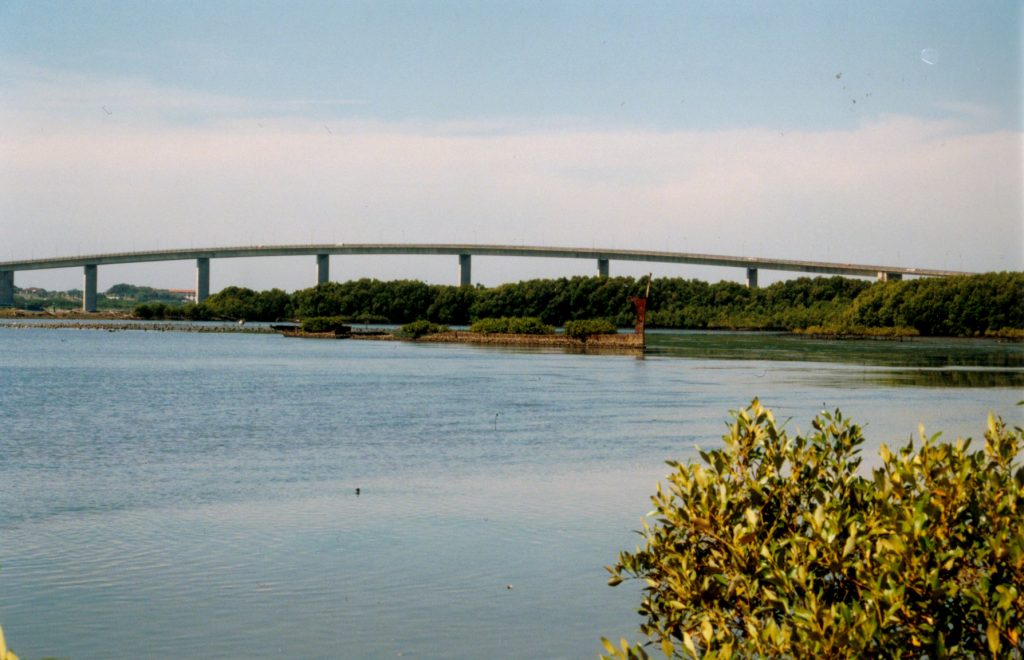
(519,325)
(418,329)
(235,302)
(149,311)
(583,328)
(490,325)
(325,324)
(776,546)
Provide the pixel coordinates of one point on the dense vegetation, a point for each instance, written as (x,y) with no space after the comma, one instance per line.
(961,306)
(232,303)
(776,546)
(946,306)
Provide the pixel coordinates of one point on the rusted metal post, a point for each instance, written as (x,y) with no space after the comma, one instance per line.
(640,304)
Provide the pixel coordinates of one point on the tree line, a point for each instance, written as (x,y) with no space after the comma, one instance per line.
(120,297)
(956,306)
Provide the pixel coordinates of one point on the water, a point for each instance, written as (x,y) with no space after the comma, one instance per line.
(178,493)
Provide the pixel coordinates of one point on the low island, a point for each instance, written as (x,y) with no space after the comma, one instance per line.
(593,334)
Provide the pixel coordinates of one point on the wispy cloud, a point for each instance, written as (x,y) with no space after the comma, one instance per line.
(43,95)
(899,190)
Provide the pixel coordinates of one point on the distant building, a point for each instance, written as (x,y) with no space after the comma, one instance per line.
(188,295)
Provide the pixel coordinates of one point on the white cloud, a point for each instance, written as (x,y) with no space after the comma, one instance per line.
(901,191)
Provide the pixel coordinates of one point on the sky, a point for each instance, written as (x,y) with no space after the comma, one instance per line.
(872,132)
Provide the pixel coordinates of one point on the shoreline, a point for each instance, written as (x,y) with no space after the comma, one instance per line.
(117,321)
(616,342)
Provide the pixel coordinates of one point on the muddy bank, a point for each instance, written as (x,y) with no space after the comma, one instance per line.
(66,315)
(616,342)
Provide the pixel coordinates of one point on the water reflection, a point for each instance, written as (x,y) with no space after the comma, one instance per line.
(925,352)
(178,493)
(958,378)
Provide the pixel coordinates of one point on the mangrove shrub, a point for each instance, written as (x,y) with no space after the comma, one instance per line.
(519,325)
(583,328)
(420,328)
(777,546)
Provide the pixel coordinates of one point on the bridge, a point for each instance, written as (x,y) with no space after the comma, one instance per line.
(323,252)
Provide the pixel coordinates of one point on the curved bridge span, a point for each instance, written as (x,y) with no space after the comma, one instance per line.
(465,252)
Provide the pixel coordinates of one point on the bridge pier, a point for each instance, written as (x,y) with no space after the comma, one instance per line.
(89,289)
(884,276)
(6,288)
(751,278)
(323,268)
(465,268)
(202,279)
(602,268)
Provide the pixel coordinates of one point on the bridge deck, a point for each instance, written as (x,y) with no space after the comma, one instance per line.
(791,265)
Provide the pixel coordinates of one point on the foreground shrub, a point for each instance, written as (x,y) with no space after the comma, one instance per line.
(418,329)
(583,328)
(775,546)
(520,325)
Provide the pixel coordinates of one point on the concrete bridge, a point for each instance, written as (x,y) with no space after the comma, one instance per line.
(322,253)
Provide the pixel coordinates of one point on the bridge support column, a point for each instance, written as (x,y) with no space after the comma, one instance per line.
(89,289)
(6,288)
(751,278)
(202,279)
(465,268)
(602,268)
(323,268)
(889,277)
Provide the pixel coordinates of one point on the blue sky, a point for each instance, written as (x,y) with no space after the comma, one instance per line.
(879,132)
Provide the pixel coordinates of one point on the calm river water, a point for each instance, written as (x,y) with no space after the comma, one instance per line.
(194,495)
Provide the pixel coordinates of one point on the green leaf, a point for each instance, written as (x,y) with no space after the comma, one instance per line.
(818,518)
(688,643)
(706,631)
(992,632)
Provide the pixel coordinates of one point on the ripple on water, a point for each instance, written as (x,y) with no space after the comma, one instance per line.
(195,494)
